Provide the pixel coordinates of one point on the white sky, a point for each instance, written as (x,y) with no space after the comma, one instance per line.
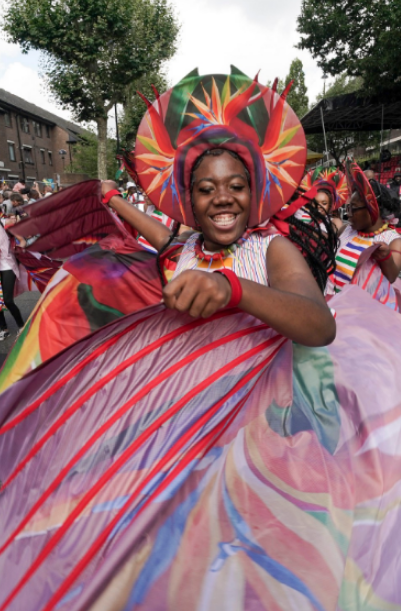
(251,34)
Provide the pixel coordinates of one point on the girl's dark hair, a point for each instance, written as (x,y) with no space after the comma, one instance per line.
(163,249)
(388,204)
(317,241)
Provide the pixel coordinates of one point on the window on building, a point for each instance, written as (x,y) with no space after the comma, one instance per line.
(24,125)
(50,157)
(27,155)
(47,131)
(11,151)
(37,128)
(42,155)
(7,119)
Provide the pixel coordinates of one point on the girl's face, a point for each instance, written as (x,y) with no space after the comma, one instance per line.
(324,201)
(221,199)
(358,214)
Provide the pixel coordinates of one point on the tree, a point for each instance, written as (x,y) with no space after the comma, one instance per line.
(297,98)
(135,107)
(85,153)
(94,50)
(358,37)
(339,144)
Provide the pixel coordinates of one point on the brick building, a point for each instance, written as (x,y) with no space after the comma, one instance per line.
(31,140)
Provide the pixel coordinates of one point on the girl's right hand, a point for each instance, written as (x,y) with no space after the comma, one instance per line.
(108,185)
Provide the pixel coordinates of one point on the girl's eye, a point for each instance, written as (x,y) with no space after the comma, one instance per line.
(205,190)
(237,187)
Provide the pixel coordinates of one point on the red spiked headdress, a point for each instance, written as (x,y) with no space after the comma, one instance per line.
(330,179)
(219,111)
(357,182)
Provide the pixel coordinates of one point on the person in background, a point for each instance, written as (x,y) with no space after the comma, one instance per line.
(7,204)
(8,275)
(34,196)
(48,190)
(18,204)
(395,186)
(19,185)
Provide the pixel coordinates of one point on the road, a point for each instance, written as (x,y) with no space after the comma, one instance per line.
(26,302)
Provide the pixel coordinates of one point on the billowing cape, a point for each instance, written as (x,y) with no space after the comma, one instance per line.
(171,463)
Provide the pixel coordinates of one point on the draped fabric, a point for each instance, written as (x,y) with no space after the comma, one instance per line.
(106,281)
(173,463)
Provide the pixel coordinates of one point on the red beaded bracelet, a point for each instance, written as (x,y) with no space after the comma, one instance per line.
(236,288)
(386,258)
(109,195)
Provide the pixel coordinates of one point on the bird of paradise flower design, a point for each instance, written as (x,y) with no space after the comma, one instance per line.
(223,105)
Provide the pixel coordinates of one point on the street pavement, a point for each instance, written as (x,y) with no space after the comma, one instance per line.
(26,302)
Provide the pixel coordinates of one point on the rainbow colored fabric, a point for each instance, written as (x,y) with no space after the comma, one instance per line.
(218,111)
(170,463)
(75,302)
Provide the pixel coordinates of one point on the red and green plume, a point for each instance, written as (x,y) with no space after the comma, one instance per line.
(219,111)
(330,179)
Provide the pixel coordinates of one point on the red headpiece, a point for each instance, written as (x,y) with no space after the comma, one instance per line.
(330,179)
(357,182)
(219,111)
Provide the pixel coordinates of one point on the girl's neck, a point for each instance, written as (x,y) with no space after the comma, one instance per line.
(379,223)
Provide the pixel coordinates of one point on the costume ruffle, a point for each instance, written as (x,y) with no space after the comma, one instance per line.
(171,463)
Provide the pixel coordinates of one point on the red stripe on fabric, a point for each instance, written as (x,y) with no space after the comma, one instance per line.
(120,462)
(349,253)
(99,384)
(388,294)
(202,446)
(378,285)
(98,352)
(365,284)
(116,416)
(80,366)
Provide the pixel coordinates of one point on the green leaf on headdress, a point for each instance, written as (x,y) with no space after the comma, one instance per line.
(256,114)
(147,143)
(288,135)
(178,104)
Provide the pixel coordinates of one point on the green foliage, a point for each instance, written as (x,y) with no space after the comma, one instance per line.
(358,37)
(339,144)
(93,49)
(297,98)
(84,156)
(135,107)
(342,84)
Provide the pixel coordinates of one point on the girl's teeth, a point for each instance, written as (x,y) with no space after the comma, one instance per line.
(224,219)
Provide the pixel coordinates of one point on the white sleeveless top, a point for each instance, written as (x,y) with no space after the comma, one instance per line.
(248,259)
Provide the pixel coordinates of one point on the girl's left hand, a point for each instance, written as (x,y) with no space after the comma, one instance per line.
(382,252)
(199,293)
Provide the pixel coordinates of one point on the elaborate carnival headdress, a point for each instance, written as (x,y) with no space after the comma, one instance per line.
(357,182)
(330,179)
(232,112)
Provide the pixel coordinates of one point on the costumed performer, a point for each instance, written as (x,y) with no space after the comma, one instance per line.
(332,192)
(370,203)
(206,462)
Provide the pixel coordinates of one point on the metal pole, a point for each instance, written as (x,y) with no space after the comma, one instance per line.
(381,143)
(324,134)
(117,133)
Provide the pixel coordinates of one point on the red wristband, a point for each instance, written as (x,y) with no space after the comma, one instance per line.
(109,195)
(384,258)
(236,288)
